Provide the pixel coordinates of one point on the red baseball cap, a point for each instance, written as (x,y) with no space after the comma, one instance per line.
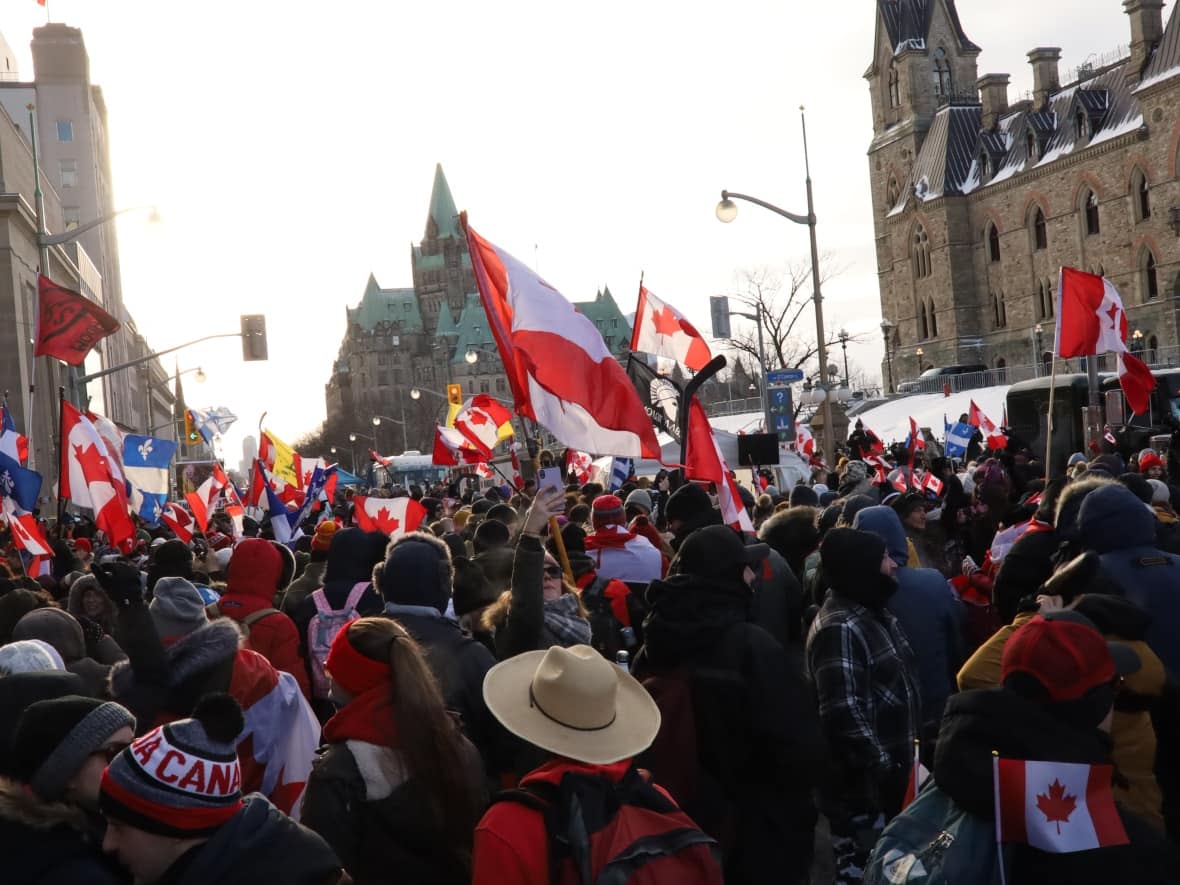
(1066,654)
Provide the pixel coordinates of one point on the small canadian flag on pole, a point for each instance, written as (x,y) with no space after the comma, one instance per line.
(1058,807)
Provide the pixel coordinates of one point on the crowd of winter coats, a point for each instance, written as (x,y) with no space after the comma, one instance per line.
(791,673)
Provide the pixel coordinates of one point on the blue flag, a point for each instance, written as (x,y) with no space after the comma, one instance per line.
(620,469)
(281,519)
(319,479)
(145,465)
(212,422)
(19,483)
(958,438)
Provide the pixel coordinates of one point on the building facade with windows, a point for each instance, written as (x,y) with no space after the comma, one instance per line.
(979,201)
(427,336)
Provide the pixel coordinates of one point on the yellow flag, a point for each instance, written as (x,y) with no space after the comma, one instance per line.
(284,459)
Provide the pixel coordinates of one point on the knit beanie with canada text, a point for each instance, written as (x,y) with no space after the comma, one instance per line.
(181,779)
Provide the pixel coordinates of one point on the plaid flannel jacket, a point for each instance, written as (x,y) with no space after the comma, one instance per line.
(866,678)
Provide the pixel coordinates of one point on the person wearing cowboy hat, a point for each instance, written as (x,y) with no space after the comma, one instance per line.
(592,718)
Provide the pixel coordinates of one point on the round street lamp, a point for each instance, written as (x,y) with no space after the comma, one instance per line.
(727,210)
(415,393)
(472,357)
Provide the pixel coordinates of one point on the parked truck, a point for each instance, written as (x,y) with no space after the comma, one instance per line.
(1028,408)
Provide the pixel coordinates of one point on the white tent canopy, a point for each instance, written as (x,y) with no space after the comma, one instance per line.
(891,420)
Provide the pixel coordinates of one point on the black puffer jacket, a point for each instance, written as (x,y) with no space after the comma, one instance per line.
(758,740)
(978,722)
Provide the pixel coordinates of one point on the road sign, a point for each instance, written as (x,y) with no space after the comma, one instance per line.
(780,397)
(719,314)
(784,376)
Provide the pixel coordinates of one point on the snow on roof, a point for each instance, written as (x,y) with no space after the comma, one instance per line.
(891,420)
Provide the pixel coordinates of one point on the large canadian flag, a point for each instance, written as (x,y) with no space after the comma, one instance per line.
(451,448)
(1091,320)
(89,478)
(390,516)
(662,330)
(1056,806)
(704,461)
(561,372)
(484,421)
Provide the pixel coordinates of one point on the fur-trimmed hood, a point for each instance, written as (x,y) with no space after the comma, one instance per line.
(200,650)
(20,806)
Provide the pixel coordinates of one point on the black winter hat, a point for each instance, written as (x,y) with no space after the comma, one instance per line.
(687,502)
(504,513)
(472,590)
(53,738)
(851,559)
(18,691)
(417,571)
(172,559)
(1138,484)
(489,535)
(717,552)
(804,496)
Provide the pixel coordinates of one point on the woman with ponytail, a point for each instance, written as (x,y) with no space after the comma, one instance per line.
(399,790)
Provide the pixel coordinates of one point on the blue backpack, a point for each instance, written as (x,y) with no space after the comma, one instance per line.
(935,842)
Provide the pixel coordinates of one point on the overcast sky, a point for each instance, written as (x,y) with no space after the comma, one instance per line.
(290,147)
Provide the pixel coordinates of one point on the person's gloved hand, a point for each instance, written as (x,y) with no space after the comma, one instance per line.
(121,583)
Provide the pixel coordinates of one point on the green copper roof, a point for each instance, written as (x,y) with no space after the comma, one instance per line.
(399,306)
(606,316)
(446,324)
(472,330)
(442,206)
(428,262)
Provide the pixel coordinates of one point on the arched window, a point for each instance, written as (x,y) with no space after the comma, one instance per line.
(892,192)
(933,320)
(985,166)
(1040,236)
(894,86)
(1050,308)
(921,254)
(1151,285)
(1091,223)
(1030,146)
(923,323)
(1153,349)
(1081,125)
(1141,195)
(999,314)
(942,72)
(993,244)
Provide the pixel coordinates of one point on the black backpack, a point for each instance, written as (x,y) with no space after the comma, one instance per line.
(607,634)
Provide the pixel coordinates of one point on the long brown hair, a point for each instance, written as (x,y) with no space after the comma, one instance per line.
(429,740)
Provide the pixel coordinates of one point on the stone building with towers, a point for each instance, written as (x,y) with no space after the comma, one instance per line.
(980,197)
(423,338)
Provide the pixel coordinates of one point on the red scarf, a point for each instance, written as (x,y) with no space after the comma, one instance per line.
(367,717)
(609,537)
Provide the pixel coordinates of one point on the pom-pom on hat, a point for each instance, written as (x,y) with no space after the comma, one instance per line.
(607,510)
(181,779)
(323,535)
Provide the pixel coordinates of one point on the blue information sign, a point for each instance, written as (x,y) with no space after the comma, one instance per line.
(784,376)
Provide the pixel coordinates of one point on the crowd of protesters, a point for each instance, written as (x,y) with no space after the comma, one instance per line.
(645,695)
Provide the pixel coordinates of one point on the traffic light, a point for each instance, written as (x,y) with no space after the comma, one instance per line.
(190,430)
(253,337)
(719,314)
(455,394)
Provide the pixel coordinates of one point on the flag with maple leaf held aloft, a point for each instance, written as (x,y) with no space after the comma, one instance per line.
(390,516)
(661,330)
(1056,806)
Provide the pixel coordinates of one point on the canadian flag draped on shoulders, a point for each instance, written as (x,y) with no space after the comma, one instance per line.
(1091,320)
(662,330)
(562,374)
(89,477)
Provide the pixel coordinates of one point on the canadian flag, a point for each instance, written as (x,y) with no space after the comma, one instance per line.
(383,460)
(995,439)
(179,520)
(1056,806)
(484,470)
(561,372)
(932,484)
(202,500)
(451,448)
(804,441)
(581,464)
(26,534)
(1091,320)
(390,516)
(517,476)
(662,330)
(704,462)
(484,421)
(89,479)
(915,443)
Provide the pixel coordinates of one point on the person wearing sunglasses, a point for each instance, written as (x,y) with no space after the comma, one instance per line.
(542,608)
(50,826)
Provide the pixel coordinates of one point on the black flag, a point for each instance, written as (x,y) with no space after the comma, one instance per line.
(659,394)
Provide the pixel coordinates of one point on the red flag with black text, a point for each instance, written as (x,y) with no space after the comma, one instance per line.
(68,323)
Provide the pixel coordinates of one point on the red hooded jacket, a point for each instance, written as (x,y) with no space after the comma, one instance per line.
(254,575)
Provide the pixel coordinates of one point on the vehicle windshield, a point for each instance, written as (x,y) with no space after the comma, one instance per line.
(931,373)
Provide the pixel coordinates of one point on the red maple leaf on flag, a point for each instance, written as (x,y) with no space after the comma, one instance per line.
(94,465)
(477,417)
(1058,805)
(665,322)
(386,521)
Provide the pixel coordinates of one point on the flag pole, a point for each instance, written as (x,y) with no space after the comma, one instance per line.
(999,828)
(63,462)
(554,529)
(1049,417)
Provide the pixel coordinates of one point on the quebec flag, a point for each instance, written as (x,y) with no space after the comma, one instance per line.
(958,438)
(145,465)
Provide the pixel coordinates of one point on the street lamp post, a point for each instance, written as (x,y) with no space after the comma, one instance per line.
(377,419)
(350,451)
(887,331)
(844,336)
(727,212)
(919,353)
(1038,347)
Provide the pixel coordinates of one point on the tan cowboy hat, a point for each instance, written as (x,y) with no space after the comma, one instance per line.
(573,702)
